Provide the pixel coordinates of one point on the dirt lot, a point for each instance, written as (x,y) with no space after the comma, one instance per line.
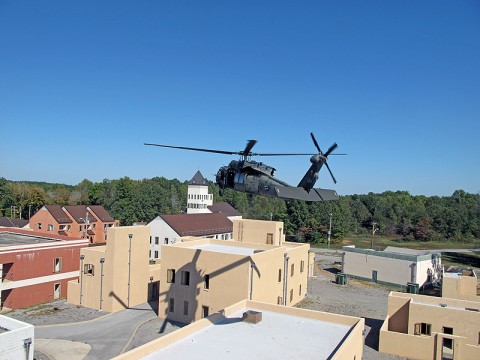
(357,298)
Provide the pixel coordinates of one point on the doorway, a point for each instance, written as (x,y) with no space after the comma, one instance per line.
(374,275)
(447,344)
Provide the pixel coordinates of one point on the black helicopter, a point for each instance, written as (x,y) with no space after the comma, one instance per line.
(253,177)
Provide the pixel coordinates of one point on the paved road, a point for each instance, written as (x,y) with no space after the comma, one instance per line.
(107,335)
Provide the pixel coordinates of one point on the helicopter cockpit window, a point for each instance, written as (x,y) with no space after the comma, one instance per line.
(239,178)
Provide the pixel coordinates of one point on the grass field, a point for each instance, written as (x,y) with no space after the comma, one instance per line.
(380,243)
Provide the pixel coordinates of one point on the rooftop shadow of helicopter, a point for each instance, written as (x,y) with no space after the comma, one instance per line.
(251,177)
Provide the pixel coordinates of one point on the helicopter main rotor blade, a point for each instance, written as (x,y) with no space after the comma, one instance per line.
(266,154)
(330,171)
(198,149)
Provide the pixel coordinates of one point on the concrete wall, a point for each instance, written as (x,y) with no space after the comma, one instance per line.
(126,272)
(389,269)
(456,286)
(257,231)
(232,277)
(12,342)
(397,335)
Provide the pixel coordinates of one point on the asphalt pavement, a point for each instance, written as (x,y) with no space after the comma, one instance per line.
(107,336)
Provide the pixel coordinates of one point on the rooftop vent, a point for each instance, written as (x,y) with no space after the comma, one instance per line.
(252,317)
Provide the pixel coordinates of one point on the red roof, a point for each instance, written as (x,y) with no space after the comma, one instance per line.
(79,213)
(58,214)
(224,208)
(198,224)
(101,213)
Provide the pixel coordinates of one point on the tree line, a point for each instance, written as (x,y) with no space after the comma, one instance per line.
(397,214)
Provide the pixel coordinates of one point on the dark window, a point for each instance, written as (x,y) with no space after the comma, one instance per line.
(185,308)
(165,241)
(156,254)
(204,311)
(156,240)
(423,329)
(207,282)
(171,276)
(279,275)
(88,269)
(171,305)
(291,295)
(292,269)
(302,265)
(186,278)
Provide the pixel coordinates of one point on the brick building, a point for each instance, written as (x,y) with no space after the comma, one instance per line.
(35,267)
(79,221)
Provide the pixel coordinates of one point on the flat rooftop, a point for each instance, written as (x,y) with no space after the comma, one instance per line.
(237,250)
(276,336)
(9,239)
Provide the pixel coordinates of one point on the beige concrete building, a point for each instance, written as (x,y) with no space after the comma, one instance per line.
(117,275)
(259,231)
(462,285)
(393,266)
(249,329)
(202,276)
(427,327)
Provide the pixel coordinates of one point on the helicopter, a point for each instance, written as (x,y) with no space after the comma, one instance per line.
(251,177)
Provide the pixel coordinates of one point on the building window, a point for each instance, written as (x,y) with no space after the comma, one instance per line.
(150,253)
(300,291)
(185,308)
(279,300)
(171,305)
(57,265)
(150,239)
(94,226)
(80,228)
(171,276)
(292,269)
(165,241)
(69,227)
(156,240)
(56,291)
(39,226)
(279,275)
(206,285)
(88,269)
(423,329)
(186,278)
(302,266)
(61,227)
(204,311)
(291,295)
(156,254)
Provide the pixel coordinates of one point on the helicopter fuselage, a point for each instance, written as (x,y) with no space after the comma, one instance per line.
(250,177)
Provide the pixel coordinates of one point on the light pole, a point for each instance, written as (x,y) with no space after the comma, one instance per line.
(329,231)
(130,236)
(102,260)
(81,276)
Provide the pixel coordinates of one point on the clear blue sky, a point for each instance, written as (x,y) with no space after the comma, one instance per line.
(83,84)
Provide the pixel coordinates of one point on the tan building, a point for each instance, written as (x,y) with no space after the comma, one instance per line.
(463,285)
(117,275)
(259,231)
(249,329)
(427,327)
(393,266)
(202,276)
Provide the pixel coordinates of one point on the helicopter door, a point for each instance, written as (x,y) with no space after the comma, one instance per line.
(239,180)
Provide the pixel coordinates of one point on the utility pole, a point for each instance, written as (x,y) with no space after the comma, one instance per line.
(329,231)
(373,232)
